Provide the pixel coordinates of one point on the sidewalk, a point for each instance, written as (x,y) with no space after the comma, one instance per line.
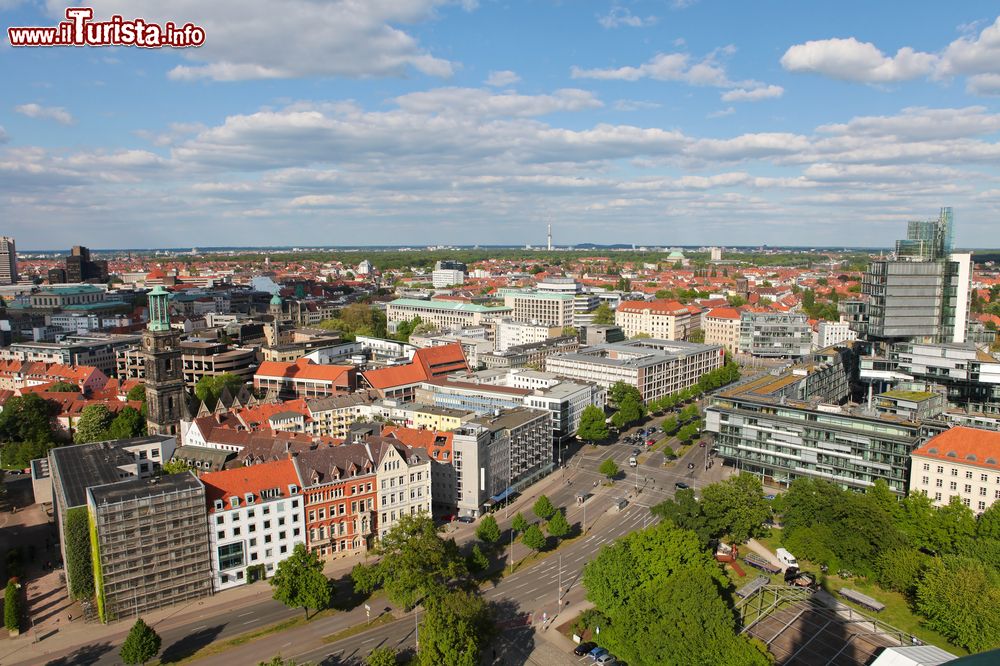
(73,635)
(61,636)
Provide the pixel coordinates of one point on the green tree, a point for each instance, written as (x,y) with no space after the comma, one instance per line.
(93,425)
(629,411)
(141,644)
(686,513)
(593,425)
(697,335)
(405,329)
(988,525)
(28,418)
(736,507)
(454,630)
(603,314)
(12,607)
(382,656)
(477,561)
(415,562)
(960,597)
(668,452)
(175,467)
(533,538)
(670,425)
(488,531)
(137,392)
(298,581)
(210,387)
(63,387)
(609,468)
(543,508)
(900,569)
(79,565)
(127,424)
(570,331)
(520,523)
(558,526)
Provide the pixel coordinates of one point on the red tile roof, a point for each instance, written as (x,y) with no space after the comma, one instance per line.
(723,313)
(252,479)
(304,368)
(969,446)
(660,307)
(428,363)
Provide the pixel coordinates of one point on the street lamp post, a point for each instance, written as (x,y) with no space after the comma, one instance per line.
(416,630)
(559,595)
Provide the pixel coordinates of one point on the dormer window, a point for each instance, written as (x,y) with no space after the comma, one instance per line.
(293,489)
(234,501)
(219,505)
(249,498)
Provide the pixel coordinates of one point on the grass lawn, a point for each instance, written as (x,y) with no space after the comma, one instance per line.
(897,610)
(772,540)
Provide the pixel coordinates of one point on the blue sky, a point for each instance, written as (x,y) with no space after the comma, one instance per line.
(429,122)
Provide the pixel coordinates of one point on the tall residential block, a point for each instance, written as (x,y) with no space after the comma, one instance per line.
(8,261)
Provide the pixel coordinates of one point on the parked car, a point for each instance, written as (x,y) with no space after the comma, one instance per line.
(680,485)
(632,462)
(636,452)
(701,444)
(605,659)
(466,519)
(650,442)
(597,653)
(584,648)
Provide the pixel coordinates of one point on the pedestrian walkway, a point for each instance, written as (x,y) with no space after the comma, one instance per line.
(762,550)
(68,636)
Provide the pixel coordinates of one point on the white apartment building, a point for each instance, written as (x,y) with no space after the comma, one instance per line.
(446,315)
(404,483)
(256,517)
(447,277)
(661,319)
(499,454)
(722,327)
(554,309)
(829,333)
(960,462)
(655,367)
(510,333)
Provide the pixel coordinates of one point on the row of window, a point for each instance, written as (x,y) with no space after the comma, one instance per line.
(954,472)
(252,513)
(981,505)
(341,509)
(953,485)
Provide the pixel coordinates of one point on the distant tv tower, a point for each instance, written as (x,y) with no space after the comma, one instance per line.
(550,238)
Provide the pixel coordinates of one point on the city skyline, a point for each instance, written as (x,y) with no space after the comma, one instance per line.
(663,124)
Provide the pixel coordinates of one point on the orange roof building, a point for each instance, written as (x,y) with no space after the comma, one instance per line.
(256,517)
(305,379)
(960,462)
(662,319)
(399,381)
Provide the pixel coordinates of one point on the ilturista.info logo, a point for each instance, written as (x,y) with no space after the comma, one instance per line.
(79,29)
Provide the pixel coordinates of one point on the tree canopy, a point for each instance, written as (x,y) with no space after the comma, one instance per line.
(488,531)
(520,523)
(558,526)
(27,418)
(543,507)
(210,387)
(609,468)
(960,597)
(455,628)
(415,562)
(736,507)
(533,538)
(603,314)
(661,595)
(93,424)
(141,644)
(137,392)
(593,425)
(299,582)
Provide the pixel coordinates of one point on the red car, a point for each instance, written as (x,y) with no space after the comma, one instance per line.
(650,442)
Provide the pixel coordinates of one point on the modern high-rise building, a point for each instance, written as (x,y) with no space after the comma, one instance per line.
(775,334)
(80,268)
(8,261)
(164,369)
(920,294)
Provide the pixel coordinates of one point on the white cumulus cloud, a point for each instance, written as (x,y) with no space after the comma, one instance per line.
(56,113)
(258,39)
(502,78)
(621,16)
(851,60)
(752,94)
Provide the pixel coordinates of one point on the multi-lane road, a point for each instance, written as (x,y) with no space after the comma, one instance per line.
(532,591)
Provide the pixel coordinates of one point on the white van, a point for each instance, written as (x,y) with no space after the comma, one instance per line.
(632,462)
(786,558)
